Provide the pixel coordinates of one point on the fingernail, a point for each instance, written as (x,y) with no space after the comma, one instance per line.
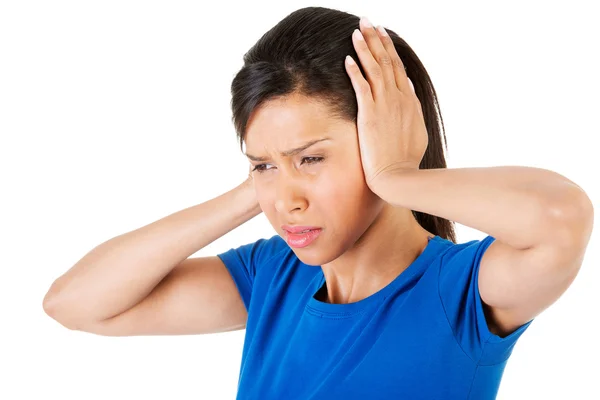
(382,30)
(366,22)
(358,34)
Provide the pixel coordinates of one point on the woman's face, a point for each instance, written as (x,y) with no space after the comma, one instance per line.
(320,186)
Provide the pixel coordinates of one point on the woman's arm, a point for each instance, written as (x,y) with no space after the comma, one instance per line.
(542,223)
(119,273)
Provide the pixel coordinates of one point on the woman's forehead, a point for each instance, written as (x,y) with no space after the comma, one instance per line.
(294,116)
(287,124)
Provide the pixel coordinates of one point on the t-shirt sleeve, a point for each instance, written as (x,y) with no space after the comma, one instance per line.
(459,294)
(245,261)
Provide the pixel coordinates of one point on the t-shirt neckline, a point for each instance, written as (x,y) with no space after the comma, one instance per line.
(323,309)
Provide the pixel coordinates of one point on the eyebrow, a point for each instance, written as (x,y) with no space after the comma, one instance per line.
(291,152)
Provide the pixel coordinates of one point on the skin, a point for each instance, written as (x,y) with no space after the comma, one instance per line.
(365,242)
(541,221)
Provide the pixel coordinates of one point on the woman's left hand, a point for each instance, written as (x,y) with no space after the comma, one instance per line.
(391,130)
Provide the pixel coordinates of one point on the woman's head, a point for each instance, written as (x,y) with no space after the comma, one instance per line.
(293,89)
(321,186)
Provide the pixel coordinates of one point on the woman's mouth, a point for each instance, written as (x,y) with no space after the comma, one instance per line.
(303,238)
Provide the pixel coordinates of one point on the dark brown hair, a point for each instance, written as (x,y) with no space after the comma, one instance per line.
(304,54)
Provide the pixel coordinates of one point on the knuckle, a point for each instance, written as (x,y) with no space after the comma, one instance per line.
(398,63)
(377,73)
(366,88)
(385,60)
(369,123)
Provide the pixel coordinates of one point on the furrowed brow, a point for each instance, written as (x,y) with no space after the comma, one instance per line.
(291,152)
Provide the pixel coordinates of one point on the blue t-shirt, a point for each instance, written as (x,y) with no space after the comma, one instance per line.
(423,336)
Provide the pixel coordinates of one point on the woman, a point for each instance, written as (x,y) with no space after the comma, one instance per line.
(363,292)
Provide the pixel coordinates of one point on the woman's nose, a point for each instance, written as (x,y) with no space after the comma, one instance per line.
(289,196)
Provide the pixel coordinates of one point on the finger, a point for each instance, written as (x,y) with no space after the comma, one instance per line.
(381,73)
(398,66)
(364,95)
(372,70)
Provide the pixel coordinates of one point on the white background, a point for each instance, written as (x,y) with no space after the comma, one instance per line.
(115,114)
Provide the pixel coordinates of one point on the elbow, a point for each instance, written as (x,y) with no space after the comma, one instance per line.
(574,217)
(53,308)
(50,301)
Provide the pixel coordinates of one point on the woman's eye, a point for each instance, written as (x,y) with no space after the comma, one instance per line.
(314,160)
(308,160)
(259,168)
